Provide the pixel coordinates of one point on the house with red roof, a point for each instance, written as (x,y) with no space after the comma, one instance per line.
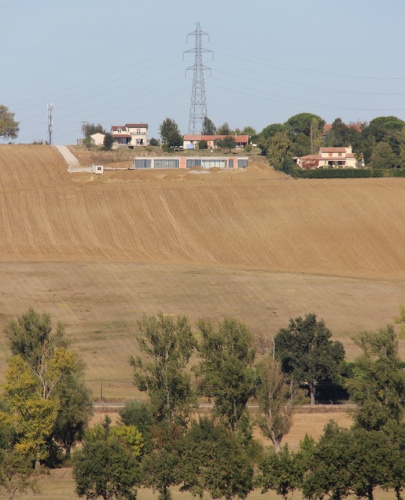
(192,141)
(330,158)
(130,134)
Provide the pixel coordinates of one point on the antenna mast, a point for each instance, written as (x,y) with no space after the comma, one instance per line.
(198,107)
(50,123)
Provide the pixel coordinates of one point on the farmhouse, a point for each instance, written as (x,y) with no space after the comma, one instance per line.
(330,158)
(192,141)
(130,134)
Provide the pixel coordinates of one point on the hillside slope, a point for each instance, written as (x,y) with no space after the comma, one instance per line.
(248,219)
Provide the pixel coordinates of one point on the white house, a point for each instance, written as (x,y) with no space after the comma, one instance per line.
(330,158)
(130,134)
(97,139)
(191,141)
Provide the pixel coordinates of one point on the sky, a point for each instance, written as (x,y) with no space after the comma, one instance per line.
(125,61)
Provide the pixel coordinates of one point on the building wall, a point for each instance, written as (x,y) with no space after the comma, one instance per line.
(204,162)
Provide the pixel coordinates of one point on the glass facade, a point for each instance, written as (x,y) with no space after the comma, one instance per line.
(166,163)
(143,163)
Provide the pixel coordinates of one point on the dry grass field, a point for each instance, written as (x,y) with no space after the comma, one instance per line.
(97,252)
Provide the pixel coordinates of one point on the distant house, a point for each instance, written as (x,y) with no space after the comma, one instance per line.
(330,158)
(130,134)
(98,139)
(191,141)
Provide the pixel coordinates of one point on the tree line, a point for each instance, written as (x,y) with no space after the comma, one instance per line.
(381,142)
(160,443)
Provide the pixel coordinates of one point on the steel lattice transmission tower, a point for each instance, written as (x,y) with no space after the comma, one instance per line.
(198,107)
(50,123)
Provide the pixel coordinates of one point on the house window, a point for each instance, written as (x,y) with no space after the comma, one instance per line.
(166,163)
(242,163)
(138,131)
(193,163)
(143,163)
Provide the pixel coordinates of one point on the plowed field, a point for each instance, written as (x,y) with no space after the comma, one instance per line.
(98,251)
(337,227)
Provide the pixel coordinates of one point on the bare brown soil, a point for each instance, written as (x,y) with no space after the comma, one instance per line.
(234,219)
(97,252)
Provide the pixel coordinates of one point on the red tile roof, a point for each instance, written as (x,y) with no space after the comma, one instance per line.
(328,126)
(333,150)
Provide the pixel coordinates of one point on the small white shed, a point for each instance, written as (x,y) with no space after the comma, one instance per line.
(97,169)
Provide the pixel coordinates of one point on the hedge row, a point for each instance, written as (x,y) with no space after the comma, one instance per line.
(347,173)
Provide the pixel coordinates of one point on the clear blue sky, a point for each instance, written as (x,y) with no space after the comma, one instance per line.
(121,61)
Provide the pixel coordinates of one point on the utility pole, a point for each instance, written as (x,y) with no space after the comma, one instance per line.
(50,123)
(198,107)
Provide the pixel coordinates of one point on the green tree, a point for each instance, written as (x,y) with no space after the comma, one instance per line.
(74,412)
(208,127)
(226,372)
(42,373)
(280,472)
(88,142)
(16,473)
(159,471)
(370,462)
(328,474)
(139,414)
(277,400)
(248,130)
(202,144)
(278,148)
(228,142)
(108,141)
(269,132)
(9,128)
(43,348)
(350,461)
(308,354)
(383,156)
(400,320)
(378,385)
(107,465)
(344,135)
(166,346)
(303,123)
(315,136)
(382,126)
(212,459)
(224,129)
(170,133)
(153,142)
(89,129)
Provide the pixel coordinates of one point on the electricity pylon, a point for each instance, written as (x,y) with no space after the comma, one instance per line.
(198,107)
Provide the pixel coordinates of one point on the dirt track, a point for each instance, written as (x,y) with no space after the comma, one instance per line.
(239,219)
